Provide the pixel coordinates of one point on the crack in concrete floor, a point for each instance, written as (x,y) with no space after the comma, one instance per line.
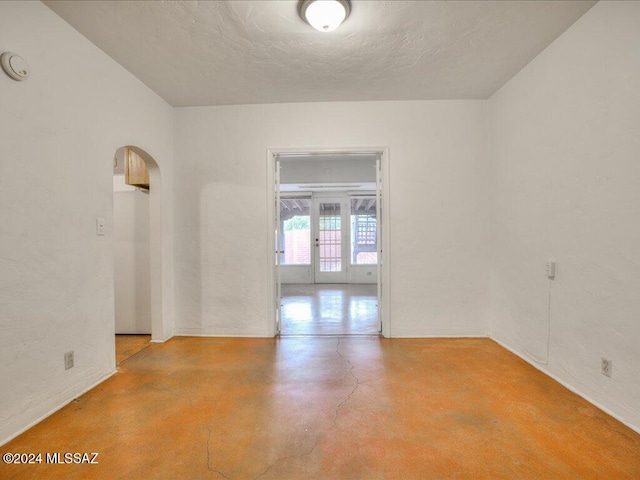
(355,387)
(287,457)
(213,470)
(480,412)
(335,415)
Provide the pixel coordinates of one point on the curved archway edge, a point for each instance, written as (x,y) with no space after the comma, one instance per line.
(158,329)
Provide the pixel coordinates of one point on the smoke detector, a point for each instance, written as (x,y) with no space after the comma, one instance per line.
(14,66)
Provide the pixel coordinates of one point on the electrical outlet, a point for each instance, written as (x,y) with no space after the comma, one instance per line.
(68,360)
(606,367)
(551,269)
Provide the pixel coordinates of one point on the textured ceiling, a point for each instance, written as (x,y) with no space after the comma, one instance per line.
(234,52)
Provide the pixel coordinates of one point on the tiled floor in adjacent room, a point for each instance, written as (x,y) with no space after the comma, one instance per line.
(330,408)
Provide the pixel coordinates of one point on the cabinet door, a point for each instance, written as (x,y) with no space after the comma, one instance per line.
(135,170)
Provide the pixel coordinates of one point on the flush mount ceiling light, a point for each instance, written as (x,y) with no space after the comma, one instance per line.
(324,15)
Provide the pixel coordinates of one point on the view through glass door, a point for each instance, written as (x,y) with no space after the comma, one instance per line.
(331,240)
(328,243)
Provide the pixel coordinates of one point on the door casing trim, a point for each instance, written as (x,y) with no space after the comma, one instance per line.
(383,278)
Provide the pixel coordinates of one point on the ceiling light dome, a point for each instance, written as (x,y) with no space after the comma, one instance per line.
(324,15)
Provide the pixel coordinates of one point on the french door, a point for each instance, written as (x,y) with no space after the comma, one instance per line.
(331,239)
(278,240)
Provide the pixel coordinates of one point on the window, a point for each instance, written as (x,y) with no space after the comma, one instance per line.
(364,231)
(295,248)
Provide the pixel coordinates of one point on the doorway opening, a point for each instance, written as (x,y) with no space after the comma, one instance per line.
(328,274)
(137,252)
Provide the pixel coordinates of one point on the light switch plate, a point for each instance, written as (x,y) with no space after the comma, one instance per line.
(100,226)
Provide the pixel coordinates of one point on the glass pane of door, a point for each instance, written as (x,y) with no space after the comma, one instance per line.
(295,245)
(329,237)
(364,231)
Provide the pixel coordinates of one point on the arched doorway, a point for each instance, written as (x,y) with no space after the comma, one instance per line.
(137,221)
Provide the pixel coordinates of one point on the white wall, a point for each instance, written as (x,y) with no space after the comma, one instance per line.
(321,170)
(438,200)
(59,131)
(132,292)
(296,274)
(362,274)
(566,184)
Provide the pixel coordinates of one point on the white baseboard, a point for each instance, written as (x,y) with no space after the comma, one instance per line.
(64,403)
(439,335)
(221,335)
(478,335)
(567,385)
(163,340)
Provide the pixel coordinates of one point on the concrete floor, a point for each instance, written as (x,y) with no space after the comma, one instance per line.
(330,408)
(128,345)
(329,309)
